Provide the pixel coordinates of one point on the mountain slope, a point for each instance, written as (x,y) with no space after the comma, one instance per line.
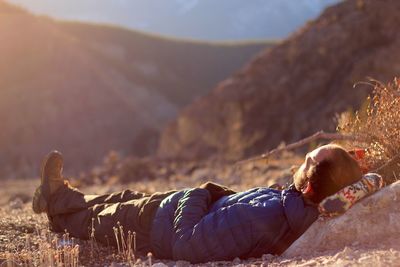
(87,89)
(187,69)
(295,88)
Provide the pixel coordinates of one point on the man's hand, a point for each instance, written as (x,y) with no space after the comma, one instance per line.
(216,191)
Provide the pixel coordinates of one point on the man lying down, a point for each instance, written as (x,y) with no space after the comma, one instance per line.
(211,222)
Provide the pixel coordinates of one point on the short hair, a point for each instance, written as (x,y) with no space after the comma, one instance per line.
(330,175)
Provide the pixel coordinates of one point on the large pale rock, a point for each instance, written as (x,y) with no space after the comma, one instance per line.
(372,221)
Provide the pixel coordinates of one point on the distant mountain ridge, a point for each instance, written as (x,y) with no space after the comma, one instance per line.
(86,89)
(193,19)
(293,89)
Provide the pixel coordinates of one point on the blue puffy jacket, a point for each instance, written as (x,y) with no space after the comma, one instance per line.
(246,224)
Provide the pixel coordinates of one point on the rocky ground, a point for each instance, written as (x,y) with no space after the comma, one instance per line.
(24,237)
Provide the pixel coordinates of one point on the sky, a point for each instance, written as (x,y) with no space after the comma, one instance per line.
(218,20)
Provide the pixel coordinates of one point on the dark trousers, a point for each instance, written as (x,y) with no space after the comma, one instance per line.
(72,211)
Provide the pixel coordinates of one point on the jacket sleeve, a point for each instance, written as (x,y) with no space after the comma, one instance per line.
(200,236)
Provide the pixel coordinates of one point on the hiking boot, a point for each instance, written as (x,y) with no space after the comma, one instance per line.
(51,181)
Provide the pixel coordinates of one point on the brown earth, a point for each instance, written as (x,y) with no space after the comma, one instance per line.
(295,88)
(87,89)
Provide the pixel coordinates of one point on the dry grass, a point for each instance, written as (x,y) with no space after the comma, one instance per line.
(50,251)
(376,125)
(25,240)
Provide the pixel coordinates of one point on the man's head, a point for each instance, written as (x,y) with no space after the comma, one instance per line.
(325,171)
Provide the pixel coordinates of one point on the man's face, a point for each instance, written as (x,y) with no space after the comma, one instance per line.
(311,159)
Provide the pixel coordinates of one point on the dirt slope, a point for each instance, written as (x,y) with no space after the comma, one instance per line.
(88,89)
(295,88)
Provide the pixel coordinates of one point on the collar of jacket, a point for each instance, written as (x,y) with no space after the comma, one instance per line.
(300,214)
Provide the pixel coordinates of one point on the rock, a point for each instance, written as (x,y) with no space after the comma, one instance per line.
(115,264)
(372,221)
(236,261)
(21,196)
(267,257)
(16,204)
(182,263)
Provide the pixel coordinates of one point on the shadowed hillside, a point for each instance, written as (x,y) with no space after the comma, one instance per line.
(86,89)
(295,88)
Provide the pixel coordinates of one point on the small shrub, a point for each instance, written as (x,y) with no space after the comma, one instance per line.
(136,169)
(376,127)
